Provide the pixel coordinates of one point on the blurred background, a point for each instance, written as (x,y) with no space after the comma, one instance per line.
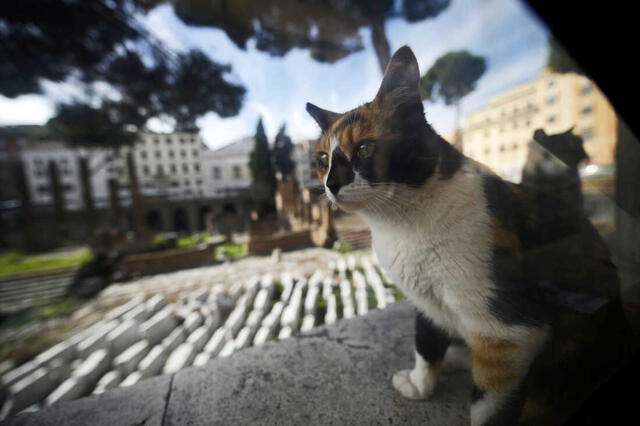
(162,147)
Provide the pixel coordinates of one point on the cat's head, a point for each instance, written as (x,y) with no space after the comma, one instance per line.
(556,154)
(380,145)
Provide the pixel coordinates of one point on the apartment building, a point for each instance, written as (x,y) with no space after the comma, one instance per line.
(498,135)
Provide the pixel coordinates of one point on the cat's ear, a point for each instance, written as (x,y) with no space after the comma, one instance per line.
(402,75)
(323,117)
(539,135)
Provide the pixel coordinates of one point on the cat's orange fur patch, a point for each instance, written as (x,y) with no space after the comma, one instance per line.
(493,366)
(502,237)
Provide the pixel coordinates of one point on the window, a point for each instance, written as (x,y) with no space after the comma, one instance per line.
(551,83)
(551,100)
(183,153)
(156,141)
(551,119)
(198,182)
(196,167)
(167,139)
(216,173)
(187,182)
(158,154)
(159,169)
(587,88)
(171,154)
(194,152)
(173,168)
(587,109)
(145,170)
(143,154)
(237,172)
(182,140)
(185,168)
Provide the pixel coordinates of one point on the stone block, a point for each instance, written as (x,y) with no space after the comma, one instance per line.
(254,318)
(64,351)
(263,334)
(217,341)
(118,312)
(155,303)
(93,367)
(174,339)
(137,314)
(285,333)
(98,340)
(199,337)
(109,381)
(18,373)
(123,336)
(308,322)
(244,338)
(158,326)
(201,359)
(153,362)
(72,388)
(193,321)
(180,358)
(128,360)
(236,319)
(131,379)
(228,349)
(31,389)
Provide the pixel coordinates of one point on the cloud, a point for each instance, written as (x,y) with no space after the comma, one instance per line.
(26,109)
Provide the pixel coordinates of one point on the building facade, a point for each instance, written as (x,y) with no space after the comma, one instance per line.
(498,135)
(226,170)
(304,157)
(169,164)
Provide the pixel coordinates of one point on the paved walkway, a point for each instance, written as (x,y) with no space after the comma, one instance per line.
(338,374)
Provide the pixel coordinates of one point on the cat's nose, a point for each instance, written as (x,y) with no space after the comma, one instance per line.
(333,185)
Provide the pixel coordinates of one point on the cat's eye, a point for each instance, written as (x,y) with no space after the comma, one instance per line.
(322,161)
(365,149)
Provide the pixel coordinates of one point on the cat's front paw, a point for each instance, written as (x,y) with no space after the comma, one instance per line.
(413,385)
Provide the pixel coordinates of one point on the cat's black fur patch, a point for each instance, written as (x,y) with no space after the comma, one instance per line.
(450,161)
(341,173)
(476,393)
(431,341)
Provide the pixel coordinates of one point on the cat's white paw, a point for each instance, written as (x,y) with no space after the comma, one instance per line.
(413,385)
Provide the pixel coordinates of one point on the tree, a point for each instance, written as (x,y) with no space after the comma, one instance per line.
(98,42)
(453,76)
(263,177)
(329,29)
(282,151)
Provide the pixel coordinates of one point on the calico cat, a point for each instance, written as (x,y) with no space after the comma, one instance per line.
(457,240)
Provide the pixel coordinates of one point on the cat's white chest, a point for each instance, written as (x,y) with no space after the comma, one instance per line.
(441,263)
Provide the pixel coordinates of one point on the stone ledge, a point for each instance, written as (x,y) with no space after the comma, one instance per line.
(338,374)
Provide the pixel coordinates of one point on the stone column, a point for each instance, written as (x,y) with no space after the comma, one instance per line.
(114,202)
(137,212)
(57,193)
(87,194)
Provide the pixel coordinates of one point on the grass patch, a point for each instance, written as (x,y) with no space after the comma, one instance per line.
(191,241)
(19,263)
(342,247)
(230,251)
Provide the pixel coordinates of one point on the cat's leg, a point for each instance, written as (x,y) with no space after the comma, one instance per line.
(431,346)
(457,358)
(499,367)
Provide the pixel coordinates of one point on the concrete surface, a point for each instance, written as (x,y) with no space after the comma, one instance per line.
(337,374)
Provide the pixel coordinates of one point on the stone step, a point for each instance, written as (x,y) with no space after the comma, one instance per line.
(180,358)
(128,360)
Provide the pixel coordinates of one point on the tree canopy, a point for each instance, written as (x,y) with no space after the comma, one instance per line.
(452,77)
(127,75)
(329,29)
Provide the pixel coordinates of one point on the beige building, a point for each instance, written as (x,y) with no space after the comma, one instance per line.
(498,134)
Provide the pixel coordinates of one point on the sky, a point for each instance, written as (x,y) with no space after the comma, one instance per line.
(505,32)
